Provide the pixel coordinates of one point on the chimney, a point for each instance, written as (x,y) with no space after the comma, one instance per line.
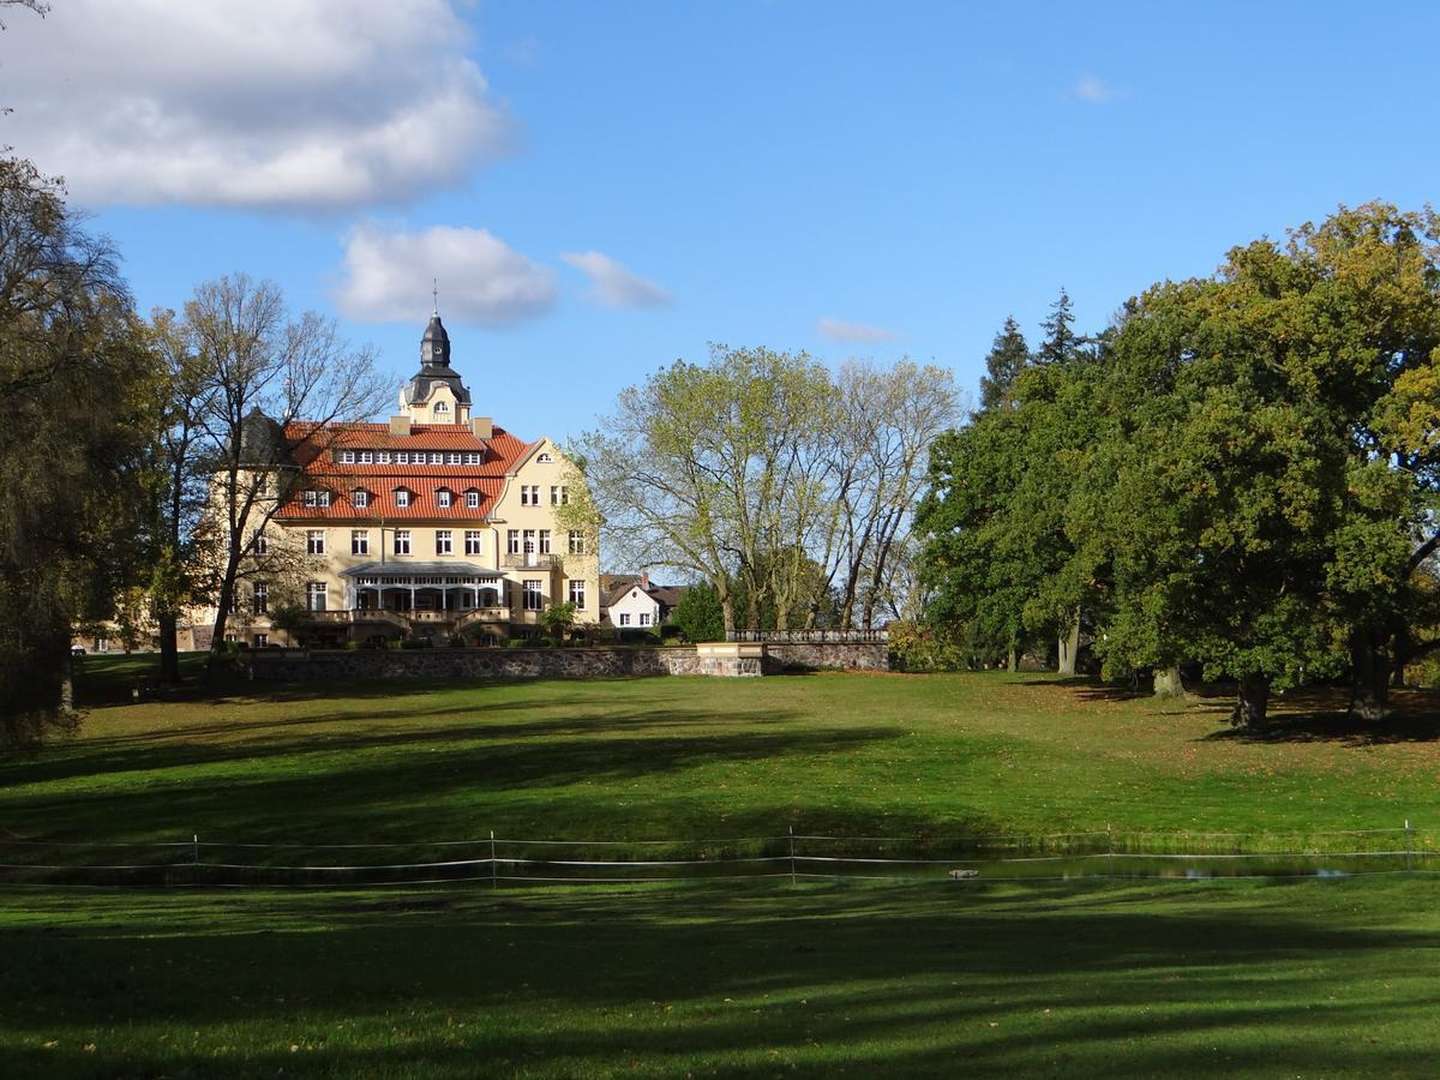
(645,580)
(482,427)
(399,425)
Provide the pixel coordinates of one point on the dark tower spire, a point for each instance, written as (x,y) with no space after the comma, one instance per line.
(435,345)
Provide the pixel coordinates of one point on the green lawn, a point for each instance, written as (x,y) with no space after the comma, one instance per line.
(696,757)
(1220,979)
(729,978)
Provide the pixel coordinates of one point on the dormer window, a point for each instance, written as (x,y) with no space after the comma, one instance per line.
(360,498)
(472,499)
(441,407)
(442,498)
(347,457)
(312,498)
(402,497)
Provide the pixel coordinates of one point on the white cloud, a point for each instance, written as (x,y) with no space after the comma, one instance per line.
(255,103)
(853,332)
(613,285)
(388,275)
(1093,89)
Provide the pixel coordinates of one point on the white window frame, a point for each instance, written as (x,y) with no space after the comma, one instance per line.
(533,594)
(472,541)
(312,497)
(444,542)
(347,457)
(360,498)
(367,457)
(544,458)
(644,618)
(442,498)
(577,593)
(472,458)
(453,459)
(624,618)
(544,547)
(260,598)
(402,542)
(441,407)
(512,542)
(262,641)
(382,457)
(577,542)
(259,543)
(402,457)
(472,500)
(315,541)
(316,596)
(359,541)
(402,497)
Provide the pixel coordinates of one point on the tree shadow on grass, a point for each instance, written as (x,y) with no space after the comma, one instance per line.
(1320,714)
(431,774)
(810,981)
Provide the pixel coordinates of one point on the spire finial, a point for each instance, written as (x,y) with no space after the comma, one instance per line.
(435,293)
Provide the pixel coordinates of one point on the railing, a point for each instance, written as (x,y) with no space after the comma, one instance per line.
(810,637)
(483,614)
(532,561)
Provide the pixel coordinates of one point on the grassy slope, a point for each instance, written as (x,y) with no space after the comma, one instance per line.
(1214,979)
(699,757)
(1208,980)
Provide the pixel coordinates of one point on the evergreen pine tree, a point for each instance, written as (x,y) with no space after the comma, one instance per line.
(1008,356)
(1061,343)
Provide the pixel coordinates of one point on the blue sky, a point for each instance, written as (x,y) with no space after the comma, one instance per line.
(912,173)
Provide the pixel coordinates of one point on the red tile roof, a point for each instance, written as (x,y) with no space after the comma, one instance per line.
(313,449)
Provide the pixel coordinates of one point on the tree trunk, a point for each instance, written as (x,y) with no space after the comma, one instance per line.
(1401,658)
(1069,646)
(168,622)
(1252,702)
(67,684)
(1012,661)
(1369,680)
(1168,682)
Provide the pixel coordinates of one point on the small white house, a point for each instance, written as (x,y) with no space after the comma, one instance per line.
(635,604)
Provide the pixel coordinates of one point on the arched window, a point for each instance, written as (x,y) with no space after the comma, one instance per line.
(441,407)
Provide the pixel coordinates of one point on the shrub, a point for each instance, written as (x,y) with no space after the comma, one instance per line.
(914,647)
(699,616)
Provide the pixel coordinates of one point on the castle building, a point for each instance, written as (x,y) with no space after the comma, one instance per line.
(436,524)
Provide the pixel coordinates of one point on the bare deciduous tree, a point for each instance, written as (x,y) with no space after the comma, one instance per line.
(273,389)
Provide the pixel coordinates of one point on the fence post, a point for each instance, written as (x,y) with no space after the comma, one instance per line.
(1407,844)
(195,858)
(494,869)
(792,854)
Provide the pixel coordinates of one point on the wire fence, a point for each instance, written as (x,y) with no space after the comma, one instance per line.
(789,856)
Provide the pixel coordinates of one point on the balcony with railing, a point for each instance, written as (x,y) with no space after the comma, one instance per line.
(530,560)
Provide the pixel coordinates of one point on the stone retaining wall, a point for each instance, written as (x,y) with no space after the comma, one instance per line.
(337,665)
(341,665)
(847,656)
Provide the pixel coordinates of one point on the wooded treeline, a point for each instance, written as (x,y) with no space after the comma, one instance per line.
(788,489)
(1240,471)
(137,453)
